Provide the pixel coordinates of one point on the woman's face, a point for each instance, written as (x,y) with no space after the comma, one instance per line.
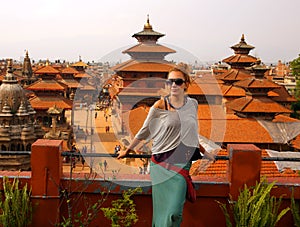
(176,83)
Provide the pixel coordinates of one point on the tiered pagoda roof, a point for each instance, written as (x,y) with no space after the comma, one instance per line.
(137,66)
(241,57)
(47,69)
(148,49)
(233,75)
(46,102)
(46,85)
(249,105)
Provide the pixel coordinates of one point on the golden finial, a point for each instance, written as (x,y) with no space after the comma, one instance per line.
(148,25)
(9,63)
(243,38)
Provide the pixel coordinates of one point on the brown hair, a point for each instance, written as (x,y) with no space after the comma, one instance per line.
(184,69)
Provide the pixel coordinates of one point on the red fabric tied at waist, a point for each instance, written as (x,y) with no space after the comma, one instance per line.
(191,192)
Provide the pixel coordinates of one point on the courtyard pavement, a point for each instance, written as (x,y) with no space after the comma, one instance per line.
(101,140)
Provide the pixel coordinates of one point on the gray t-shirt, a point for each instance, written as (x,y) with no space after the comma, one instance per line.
(168,128)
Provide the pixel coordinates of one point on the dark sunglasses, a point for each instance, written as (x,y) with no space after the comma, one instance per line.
(177,81)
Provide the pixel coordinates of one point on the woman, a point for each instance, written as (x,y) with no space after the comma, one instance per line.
(172,125)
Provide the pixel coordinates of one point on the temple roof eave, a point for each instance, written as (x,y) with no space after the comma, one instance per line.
(149,48)
(138,66)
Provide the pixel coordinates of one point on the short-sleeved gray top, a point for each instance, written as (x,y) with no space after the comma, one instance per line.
(169,128)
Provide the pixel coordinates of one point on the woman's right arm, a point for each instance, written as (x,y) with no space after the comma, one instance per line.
(143,132)
(132,145)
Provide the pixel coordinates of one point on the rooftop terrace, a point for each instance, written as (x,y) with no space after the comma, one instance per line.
(49,180)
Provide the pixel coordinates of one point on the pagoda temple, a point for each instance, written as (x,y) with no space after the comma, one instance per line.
(27,71)
(138,81)
(18,125)
(238,63)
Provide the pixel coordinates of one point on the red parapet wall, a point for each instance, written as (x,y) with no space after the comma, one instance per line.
(48,182)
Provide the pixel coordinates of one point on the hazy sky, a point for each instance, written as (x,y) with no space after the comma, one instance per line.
(67,29)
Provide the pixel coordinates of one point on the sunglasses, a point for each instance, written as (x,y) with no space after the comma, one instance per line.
(177,81)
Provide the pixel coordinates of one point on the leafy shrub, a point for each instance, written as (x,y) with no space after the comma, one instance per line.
(123,212)
(15,204)
(295,211)
(255,207)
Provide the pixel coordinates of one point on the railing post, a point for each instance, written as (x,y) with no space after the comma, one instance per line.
(244,167)
(46,173)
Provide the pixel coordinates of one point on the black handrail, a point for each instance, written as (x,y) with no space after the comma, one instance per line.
(218,157)
(77,154)
(15,152)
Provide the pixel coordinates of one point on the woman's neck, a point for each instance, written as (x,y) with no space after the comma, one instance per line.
(177,98)
(176,102)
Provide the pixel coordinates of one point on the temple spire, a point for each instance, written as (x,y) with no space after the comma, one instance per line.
(243,38)
(27,69)
(147,25)
(9,77)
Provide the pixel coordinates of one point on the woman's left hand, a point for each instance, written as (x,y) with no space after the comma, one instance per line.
(211,156)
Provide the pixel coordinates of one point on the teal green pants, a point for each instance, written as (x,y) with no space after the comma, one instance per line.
(168,196)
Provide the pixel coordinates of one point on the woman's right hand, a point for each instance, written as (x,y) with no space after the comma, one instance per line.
(123,153)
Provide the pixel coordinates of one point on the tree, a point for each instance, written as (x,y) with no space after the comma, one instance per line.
(295,67)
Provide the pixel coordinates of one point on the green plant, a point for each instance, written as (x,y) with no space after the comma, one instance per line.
(123,212)
(15,204)
(295,211)
(88,212)
(255,207)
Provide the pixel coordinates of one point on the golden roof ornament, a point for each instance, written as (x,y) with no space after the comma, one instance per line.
(148,25)
(9,77)
(243,38)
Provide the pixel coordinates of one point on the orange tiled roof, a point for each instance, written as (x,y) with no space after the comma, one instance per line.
(255,83)
(232,91)
(234,130)
(211,112)
(296,142)
(136,66)
(46,85)
(240,58)
(151,48)
(283,118)
(272,94)
(234,75)
(46,102)
(134,119)
(206,78)
(283,95)
(71,83)
(205,168)
(48,69)
(142,91)
(249,104)
(219,169)
(82,75)
(204,89)
(79,64)
(69,70)
(205,84)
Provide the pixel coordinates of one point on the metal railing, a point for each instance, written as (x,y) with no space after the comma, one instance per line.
(77,154)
